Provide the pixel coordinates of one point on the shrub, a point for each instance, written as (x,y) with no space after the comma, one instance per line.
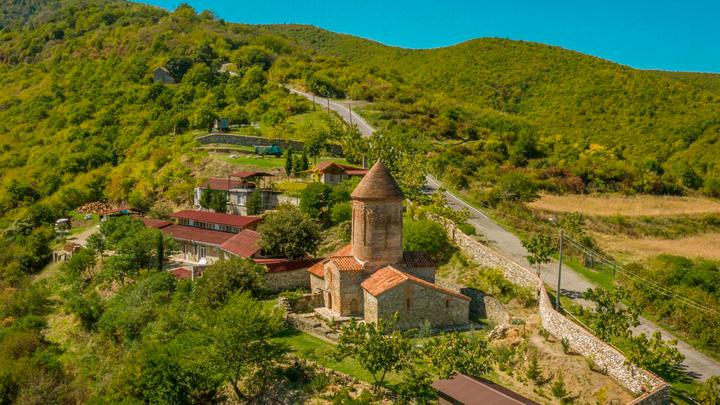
(426,236)
(466,228)
(341,212)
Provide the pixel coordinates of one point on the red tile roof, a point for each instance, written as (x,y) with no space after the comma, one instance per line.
(244,244)
(181,273)
(356,172)
(155,223)
(318,269)
(245,175)
(416,260)
(464,389)
(220,183)
(193,234)
(324,167)
(217,218)
(389,277)
(346,263)
(282,265)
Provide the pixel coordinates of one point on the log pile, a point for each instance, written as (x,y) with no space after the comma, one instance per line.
(95,207)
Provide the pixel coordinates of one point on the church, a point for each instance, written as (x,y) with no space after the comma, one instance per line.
(373,278)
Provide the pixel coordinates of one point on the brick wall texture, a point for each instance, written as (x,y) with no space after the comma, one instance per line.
(651,389)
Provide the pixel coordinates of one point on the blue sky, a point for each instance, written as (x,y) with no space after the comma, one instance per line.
(660,34)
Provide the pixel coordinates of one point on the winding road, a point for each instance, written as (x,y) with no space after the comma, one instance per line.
(696,364)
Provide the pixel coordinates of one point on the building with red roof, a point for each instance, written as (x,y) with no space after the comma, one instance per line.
(216,221)
(200,246)
(237,188)
(333,173)
(373,277)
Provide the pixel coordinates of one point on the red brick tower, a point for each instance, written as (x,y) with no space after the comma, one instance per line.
(377,219)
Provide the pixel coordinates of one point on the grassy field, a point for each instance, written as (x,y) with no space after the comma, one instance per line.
(615,204)
(705,245)
(320,351)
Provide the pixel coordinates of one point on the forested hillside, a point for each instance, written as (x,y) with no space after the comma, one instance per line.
(638,124)
(81,119)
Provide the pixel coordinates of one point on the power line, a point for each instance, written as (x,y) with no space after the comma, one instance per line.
(658,288)
(652,285)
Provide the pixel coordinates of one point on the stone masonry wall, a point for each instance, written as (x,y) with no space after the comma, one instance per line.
(415,304)
(287,280)
(248,140)
(653,389)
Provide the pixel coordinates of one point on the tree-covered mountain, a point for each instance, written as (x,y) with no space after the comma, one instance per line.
(664,116)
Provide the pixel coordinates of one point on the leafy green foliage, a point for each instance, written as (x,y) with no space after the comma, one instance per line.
(220,280)
(254,204)
(684,278)
(540,248)
(215,200)
(377,347)
(710,393)
(655,354)
(610,317)
(289,232)
(426,236)
(242,348)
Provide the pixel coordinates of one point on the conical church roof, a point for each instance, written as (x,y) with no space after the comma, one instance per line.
(378,184)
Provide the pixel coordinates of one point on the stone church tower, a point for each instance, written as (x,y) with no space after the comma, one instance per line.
(372,277)
(377,220)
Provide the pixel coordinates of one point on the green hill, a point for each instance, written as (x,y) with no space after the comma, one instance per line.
(560,92)
(81,119)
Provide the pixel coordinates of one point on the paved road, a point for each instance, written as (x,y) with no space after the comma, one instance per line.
(341,108)
(572,284)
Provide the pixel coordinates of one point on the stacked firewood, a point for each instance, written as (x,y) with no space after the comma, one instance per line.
(94,207)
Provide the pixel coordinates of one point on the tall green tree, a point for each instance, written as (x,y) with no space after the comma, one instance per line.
(289,232)
(540,250)
(288,161)
(377,347)
(242,348)
(254,203)
(221,279)
(610,316)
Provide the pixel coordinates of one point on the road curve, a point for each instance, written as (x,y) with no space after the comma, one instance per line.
(696,364)
(344,110)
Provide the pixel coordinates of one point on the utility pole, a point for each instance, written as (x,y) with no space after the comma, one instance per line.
(328,104)
(313,96)
(350,111)
(557,296)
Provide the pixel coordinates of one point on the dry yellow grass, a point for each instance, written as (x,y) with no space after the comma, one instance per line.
(705,245)
(615,204)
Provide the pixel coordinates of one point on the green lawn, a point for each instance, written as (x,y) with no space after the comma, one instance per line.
(259,162)
(270,162)
(311,348)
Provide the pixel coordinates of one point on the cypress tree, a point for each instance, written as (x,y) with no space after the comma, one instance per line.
(305,164)
(160,250)
(288,161)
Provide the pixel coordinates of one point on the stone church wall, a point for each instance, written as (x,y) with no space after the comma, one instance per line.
(415,304)
(287,280)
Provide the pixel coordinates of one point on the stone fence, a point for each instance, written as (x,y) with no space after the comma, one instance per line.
(651,389)
(249,140)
